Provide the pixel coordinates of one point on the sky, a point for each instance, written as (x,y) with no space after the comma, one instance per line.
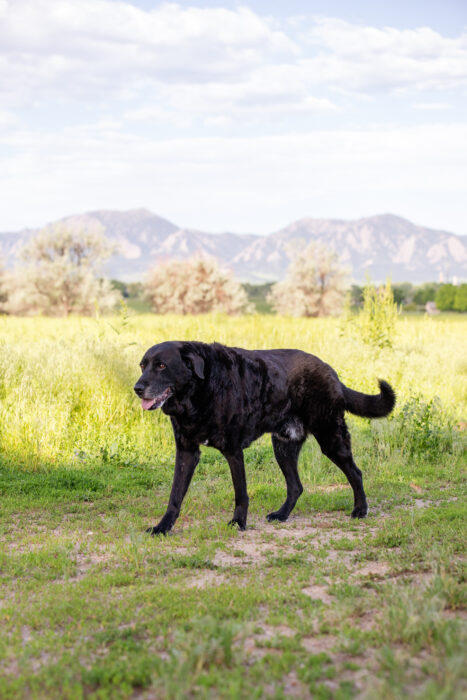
(234,116)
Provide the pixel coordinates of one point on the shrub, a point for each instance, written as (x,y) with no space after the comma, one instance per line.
(425,292)
(421,429)
(377,320)
(314,285)
(194,286)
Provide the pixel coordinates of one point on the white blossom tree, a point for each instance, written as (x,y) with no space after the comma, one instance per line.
(3,287)
(194,286)
(58,274)
(315,284)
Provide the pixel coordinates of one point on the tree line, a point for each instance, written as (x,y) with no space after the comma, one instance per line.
(59,273)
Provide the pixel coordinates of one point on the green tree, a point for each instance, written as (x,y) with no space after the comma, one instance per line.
(460,302)
(59,274)
(258,294)
(315,284)
(194,286)
(402,292)
(425,292)
(445,297)
(356,296)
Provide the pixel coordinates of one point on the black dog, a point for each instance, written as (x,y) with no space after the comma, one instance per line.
(227,397)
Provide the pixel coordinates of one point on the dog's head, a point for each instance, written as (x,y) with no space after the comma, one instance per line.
(167,370)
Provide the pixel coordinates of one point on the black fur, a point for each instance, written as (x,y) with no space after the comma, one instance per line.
(227,397)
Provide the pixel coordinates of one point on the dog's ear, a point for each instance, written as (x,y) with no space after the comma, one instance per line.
(197,363)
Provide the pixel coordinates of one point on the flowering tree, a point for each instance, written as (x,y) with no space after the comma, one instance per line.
(58,275)
(315,284)
(194,286)
(3,287)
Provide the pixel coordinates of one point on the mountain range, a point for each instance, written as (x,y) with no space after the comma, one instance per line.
(384,245)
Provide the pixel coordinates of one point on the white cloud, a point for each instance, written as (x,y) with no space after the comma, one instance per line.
(242,183)
(369,59)
(271,91)
(433,106)
(7,119)
(83,48)
(212,59)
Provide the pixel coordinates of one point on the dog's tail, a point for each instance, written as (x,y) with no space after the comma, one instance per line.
(370,405)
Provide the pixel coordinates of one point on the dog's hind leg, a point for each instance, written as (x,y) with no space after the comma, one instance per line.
(334,440)
(286,453)
(237,469)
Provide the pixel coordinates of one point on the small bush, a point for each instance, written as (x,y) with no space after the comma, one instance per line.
(420,429)
(377,320)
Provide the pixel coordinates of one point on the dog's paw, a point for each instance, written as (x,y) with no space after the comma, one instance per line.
(234,521)
(156,530)
(160,529)
(360,512)
(277,515)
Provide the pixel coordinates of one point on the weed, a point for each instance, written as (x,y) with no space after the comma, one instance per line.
(377,320)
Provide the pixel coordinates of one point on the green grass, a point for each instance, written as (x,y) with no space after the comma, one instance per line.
(321,606)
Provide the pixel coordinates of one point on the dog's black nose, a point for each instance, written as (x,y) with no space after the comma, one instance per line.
(139,389)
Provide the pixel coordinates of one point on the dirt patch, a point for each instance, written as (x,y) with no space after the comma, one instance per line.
(420,579)
(372,569)
(270,632)
(366,621)
(421,503)
(342,557)
(316,532)
(253,550)
(253,652)
(316,592)
(293,687)
(315,536)
(204,580)
(87,560)
(10,667)
(222,558)
(331,487)
(317,645)
(248,553)
(257,645)
(460,614)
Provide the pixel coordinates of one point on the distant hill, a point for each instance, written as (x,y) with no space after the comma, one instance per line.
(381,245)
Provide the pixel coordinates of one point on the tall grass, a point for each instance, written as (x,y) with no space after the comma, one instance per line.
(66,385)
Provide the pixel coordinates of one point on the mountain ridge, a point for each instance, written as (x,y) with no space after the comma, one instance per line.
(381,245)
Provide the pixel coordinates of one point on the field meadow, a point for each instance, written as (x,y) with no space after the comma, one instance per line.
(318,607)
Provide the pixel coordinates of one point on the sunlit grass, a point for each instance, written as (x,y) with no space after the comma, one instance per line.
(321,606)
(66,385)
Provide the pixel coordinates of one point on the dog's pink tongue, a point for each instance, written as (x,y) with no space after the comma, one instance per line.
(147,403)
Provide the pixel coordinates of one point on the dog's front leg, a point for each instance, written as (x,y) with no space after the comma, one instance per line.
(237,469)
(185,465)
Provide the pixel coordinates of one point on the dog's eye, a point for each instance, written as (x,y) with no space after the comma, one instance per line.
(161,365)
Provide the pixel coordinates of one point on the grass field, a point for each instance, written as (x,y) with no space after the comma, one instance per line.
(320,606)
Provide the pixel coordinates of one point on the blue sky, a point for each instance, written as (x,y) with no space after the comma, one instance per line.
(233,116)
